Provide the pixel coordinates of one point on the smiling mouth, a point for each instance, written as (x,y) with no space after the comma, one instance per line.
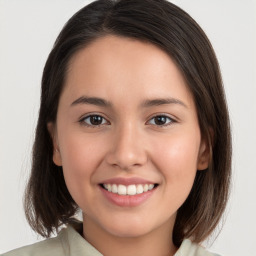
(129,190)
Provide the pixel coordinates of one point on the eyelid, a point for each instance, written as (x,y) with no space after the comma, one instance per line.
(83,117)
(88,115)
(173,120)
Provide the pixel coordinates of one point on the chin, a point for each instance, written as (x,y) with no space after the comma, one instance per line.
(128,229)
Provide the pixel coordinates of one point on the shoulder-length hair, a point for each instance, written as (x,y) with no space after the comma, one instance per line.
(48,203)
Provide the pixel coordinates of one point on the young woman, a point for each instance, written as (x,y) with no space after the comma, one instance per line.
(133,130)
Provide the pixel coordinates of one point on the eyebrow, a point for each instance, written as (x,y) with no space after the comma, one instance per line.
(164,101)
(93,101)
(145,104)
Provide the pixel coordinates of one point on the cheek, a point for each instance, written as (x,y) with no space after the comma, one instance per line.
(176,157)
(176,160)
(80,158)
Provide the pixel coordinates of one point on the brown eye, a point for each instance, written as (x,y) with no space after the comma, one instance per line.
(161,120)
(94,120)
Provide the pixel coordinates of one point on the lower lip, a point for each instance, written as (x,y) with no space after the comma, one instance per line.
(127,201)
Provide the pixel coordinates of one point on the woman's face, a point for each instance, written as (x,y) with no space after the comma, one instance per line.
(127,122)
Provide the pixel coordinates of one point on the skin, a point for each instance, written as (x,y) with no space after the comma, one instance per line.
(128,143)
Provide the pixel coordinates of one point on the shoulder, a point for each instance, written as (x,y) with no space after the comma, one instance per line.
(68,242)
(51,246)
(188,248)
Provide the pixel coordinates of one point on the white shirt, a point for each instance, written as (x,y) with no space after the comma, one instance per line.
(70,243)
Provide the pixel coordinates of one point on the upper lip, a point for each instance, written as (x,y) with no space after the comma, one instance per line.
(127,181)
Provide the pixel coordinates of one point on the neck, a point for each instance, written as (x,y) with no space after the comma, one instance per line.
(157,242)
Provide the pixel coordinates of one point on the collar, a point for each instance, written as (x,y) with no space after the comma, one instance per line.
(74,244)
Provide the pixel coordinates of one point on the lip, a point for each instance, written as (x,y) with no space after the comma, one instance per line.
(127,181)
(126,200)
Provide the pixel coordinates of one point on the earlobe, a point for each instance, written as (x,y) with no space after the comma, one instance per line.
(57,157)
(56,152)
(203,156)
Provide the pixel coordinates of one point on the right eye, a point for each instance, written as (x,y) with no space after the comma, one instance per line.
(93,120)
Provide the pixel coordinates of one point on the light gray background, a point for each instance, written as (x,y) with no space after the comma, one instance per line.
(27,32)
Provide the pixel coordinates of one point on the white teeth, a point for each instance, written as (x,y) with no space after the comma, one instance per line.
(140,189)
(150,186)
(128,190)
(121,190)
(145,188)
(131,190)
(114,189)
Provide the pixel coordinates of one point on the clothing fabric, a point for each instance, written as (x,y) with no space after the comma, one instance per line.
(70,243)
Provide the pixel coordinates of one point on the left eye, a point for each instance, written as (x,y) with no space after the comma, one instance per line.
(93,120)
(161,120)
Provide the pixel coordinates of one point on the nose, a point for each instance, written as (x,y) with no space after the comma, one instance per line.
(127,149)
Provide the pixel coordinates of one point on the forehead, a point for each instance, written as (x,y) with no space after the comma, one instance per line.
(118,67)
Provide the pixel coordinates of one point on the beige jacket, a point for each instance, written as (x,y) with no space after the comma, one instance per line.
(70,243)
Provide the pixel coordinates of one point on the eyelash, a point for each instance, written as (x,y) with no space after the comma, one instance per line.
(82,120)
(171,120)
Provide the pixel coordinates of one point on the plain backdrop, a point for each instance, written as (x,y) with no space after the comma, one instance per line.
(27,32)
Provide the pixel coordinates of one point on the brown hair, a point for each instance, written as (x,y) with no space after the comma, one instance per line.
(48,203)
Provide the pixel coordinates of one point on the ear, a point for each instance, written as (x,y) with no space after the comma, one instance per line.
(56,152)
(204,155)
